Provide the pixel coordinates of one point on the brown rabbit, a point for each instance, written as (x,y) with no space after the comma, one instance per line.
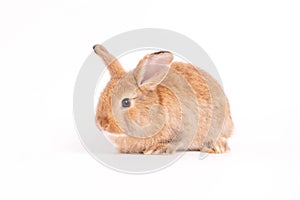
(162,106)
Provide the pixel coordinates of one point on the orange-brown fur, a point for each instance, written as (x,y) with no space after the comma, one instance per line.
(214,125)
(104,117)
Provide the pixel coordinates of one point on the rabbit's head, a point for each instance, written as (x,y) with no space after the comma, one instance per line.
(131,102)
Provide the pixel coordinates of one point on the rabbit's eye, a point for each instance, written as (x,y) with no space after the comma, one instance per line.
(125,103)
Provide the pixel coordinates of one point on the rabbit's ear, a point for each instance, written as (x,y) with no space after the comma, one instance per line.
(114,67)
(153,69)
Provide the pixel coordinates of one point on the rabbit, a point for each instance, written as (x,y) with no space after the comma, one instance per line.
(162,106)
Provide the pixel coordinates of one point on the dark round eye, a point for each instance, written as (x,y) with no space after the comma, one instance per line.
(125,103)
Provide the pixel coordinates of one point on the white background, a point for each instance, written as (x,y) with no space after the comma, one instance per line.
(255,46)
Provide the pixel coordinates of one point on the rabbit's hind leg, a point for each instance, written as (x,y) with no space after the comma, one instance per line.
(221,146)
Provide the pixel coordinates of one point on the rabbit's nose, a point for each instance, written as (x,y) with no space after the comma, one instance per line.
(105,127)
(102,123)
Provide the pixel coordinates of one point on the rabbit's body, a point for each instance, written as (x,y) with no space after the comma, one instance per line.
(171,86)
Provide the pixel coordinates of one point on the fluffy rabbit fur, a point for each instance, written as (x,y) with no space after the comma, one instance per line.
(170,106)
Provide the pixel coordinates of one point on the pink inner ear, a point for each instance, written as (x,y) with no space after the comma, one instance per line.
(155,68)
(150,71)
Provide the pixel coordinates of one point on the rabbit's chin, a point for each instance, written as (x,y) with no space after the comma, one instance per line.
(113,137)
(117,135)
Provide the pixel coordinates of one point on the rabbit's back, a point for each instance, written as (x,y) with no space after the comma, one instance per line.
(215,123)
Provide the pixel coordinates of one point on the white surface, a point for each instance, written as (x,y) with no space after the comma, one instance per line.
(255,46)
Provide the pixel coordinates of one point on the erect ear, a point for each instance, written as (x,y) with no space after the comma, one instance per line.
(114,67)
(152,70)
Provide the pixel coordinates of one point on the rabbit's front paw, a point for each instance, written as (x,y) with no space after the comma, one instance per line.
(160,149)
